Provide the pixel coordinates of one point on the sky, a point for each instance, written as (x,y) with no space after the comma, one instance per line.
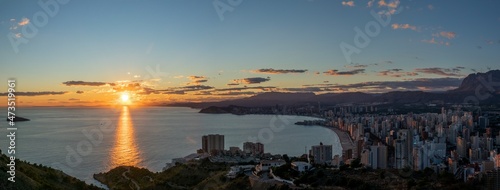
(88,53)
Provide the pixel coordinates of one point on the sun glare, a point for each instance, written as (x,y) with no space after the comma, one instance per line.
(125,98)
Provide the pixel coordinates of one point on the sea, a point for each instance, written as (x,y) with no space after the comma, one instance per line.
(82,141)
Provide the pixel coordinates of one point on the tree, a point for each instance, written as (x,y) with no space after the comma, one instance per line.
(356,163)
(286,158)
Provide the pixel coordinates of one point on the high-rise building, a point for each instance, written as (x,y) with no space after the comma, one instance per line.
(365,157)
(400,157)
(253,148)
(493,179)
(461,147)
(378,157)
(321,153)
(483,122)
(212,142)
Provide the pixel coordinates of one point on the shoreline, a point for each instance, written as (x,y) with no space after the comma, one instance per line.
(344,138)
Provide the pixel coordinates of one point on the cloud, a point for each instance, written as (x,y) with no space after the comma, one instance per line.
(357,65)
(84,83)
(392,7)
(393,4)
(196,87)
(403,26)
(396,73)
(430,7)
(24,21)
(200,81)
(449,35)
(424,84)
(351,72)
(73,99)
(42,93)
(79,92)
(124,86)
(252,80)
(197,79)
(348,3)
(370,3)
(304,89)
(263,88)
(15,26)
(453,72)
(434,41)
(184,89)
(280,71)
(235,93)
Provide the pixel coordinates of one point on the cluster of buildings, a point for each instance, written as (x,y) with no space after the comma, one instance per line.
(213,144)
(453,141)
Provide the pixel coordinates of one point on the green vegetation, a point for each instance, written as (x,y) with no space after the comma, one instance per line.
(362,178)
(37,176)
(192,175)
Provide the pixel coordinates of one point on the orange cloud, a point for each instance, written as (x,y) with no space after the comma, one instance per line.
(449,35)
(348,3)
(394,4)
(403,26)
(24,21)
(433,41)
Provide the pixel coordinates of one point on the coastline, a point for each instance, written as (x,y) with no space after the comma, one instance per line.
(345,140)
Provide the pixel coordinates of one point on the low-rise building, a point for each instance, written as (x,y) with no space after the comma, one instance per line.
(301,166)
(265,165)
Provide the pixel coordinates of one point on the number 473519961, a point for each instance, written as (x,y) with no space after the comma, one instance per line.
(11,102)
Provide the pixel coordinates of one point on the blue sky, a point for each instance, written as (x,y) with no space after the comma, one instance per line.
(117,41)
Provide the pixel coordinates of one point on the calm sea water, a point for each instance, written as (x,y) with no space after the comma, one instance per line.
(84,141)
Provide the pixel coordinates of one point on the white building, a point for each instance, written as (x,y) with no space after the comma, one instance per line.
(301,166)
(321,153)
(265,165)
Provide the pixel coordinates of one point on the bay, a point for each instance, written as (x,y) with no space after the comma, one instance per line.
(82,141)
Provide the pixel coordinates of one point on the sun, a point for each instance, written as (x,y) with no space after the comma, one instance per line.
(125,98)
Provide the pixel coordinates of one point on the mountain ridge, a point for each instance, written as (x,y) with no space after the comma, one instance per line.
(484,87)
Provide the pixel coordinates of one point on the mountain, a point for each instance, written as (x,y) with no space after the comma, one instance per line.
(488,85)
(485,81)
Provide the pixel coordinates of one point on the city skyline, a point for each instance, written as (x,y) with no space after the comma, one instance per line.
(92,53)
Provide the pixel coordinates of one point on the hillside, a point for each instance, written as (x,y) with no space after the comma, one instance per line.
(35,176)
(194,175)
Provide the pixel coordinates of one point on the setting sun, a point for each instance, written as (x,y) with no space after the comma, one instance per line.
(125,98)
